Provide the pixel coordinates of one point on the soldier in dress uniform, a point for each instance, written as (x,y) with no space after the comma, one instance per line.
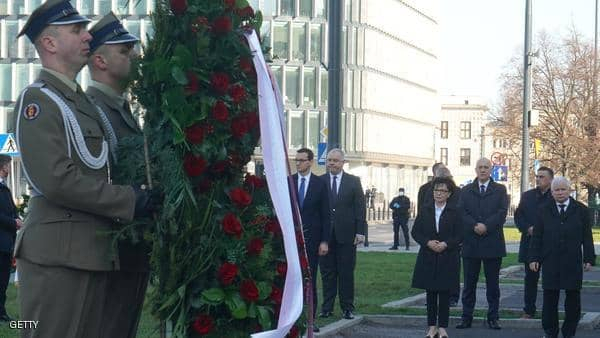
(63,252)
(112,51)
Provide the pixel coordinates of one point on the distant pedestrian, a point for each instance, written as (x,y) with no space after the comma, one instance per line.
(400,206)
(562,231)
(525,219)
(438,229)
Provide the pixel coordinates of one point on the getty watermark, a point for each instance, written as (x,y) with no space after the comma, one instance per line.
(23,324)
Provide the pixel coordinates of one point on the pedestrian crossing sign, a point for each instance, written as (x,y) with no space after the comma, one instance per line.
(9,146)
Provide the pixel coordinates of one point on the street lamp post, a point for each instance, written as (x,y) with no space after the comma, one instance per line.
(527,68)
(334,106)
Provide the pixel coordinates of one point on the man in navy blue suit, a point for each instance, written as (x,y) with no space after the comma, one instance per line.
(313,200)
(9,223)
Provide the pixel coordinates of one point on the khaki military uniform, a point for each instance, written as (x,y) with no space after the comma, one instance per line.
(63,250)
(126,287)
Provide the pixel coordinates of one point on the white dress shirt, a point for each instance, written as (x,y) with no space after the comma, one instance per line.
(565,203)
(438,214)
(307,179)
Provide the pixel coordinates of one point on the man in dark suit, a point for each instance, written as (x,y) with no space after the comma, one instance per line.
(9,223)
(313,200)
(484,204)
(400,206)
(426,190)
(347,204)
(525,219)
(561,231)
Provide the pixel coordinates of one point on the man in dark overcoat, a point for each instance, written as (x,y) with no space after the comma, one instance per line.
(562,231)
(484,204)
(313,201)
(525,219)
(9,223)
(348,228)
(400,206)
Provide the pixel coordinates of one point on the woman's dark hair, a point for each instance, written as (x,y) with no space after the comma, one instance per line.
(447,181)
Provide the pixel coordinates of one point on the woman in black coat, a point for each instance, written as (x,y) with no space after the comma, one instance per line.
(439,231)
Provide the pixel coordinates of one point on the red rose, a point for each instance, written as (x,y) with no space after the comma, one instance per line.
(246,12)
(219,167)
(192,86)
(255,246)
(237,93)
(281,269)
(294,332)
(178,6)
(303,261)
(220,111)
(249,291)
(276,294)
(220,82)
(222,25)
(246,66)
(251,119)
(254,181)
(204,324)
(229,3)
(232,225)
(240,197)
(194,134)
(273,227)
(227,273)
(194,165)
(239,127)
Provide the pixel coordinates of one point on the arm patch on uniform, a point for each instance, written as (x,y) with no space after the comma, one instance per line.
(31,111)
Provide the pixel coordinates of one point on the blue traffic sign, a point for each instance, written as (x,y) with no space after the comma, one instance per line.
(500,173)
(8,145)
(322,153)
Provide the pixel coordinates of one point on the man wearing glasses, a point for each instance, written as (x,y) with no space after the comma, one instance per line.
(484,206)
(313,201)
(525,219)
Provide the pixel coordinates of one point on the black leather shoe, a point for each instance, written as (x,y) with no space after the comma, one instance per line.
(348,314)
(464,324)
(493,324)
(5,318)
(325,314)
(393,248)
(316,328)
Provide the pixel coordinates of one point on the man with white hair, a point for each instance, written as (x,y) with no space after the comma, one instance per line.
(562,230)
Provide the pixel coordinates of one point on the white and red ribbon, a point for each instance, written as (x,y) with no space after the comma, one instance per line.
(276,171)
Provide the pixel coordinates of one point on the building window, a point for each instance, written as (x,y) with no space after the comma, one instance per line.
(11,31)
(103,6)
(281,40)
(299,41)
(324,87)
(444,129)
(287,7)
(306,8)
(349,83)
(278,73)
(315,43)
(320,8)
(122,7)
(465,157)
(296,132)
(313,130)
(444,156)
(309,87)
(291,85)
(18,7)
(5,82)
(268,7)
(465,129)
(86,7)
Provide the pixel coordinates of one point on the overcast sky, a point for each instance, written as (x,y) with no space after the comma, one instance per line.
(478,38)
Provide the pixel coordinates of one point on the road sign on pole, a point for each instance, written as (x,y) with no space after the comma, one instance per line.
(500,173)
(8,145)
(322,153)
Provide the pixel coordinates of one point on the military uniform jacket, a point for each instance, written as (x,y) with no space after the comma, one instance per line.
(132,257)
(73,206)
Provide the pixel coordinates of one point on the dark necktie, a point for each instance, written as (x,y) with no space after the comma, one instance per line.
(562,210)
(301,191)
(334,189)
(482,189)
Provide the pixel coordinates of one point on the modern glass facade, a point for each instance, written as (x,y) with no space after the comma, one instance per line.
(19,63)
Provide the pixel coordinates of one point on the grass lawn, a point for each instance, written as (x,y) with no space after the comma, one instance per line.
(512,234)
(380,277)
